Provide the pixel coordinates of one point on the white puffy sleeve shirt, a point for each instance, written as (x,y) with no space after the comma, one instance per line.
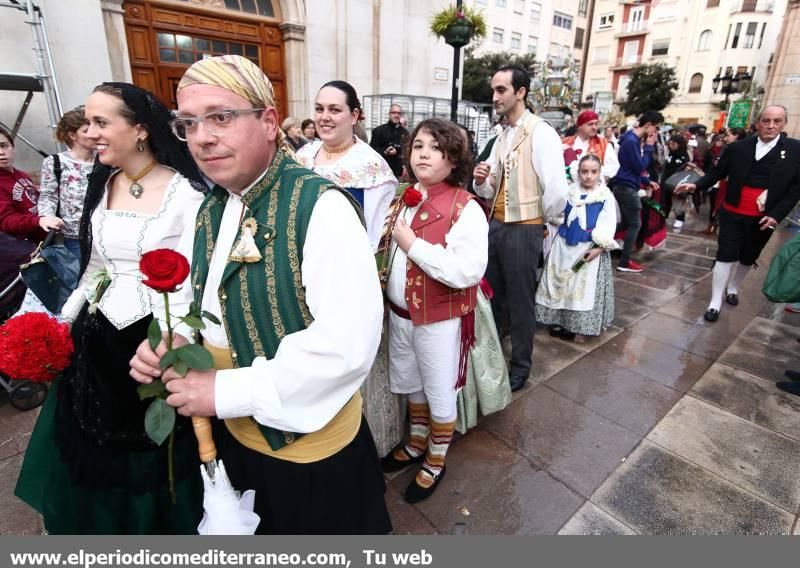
(119,239)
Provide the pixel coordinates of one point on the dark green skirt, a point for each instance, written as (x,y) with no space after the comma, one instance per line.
(46,484)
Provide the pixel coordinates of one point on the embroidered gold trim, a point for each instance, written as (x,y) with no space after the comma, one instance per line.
(249,321)
(269,263)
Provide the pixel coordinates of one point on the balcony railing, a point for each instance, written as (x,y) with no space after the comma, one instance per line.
(625,62)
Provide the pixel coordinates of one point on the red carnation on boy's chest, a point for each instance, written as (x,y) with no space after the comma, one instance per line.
(164,269)
(412,197)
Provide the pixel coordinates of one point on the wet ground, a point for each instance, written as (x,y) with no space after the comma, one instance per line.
(665,424)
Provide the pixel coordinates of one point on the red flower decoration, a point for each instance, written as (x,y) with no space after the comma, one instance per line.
(412,197)
(164,269)
(34,346)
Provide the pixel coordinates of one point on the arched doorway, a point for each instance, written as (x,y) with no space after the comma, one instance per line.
(166,37)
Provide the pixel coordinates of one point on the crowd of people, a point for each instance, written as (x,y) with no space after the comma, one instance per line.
(359,302)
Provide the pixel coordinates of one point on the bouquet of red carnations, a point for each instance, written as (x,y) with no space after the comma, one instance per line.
(34,346)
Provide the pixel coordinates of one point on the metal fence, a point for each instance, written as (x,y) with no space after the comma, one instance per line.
(474,116)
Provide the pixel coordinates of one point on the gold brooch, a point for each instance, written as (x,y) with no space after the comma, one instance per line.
(246,250)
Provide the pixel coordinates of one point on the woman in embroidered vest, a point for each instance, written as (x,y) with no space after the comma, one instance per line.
(65,192)
(352,164)
(90,468)
(576,291)
(438,255)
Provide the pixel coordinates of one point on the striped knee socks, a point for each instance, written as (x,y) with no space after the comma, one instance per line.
(440,437)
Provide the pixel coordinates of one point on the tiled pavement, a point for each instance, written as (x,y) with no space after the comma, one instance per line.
(664,424)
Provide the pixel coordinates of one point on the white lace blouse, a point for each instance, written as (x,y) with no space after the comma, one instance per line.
(119,238)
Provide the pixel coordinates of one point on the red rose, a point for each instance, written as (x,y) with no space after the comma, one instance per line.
(34,346)
(164,269)
(412,197)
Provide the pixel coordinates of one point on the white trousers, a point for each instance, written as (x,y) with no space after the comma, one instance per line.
(425,358)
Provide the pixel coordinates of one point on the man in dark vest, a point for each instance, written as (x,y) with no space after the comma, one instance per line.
(281,257)
(763,174)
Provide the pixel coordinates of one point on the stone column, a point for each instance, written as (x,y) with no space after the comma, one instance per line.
(294,44)
(117,41)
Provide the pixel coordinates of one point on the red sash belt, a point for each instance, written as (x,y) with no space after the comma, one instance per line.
(400,312)
(747,203)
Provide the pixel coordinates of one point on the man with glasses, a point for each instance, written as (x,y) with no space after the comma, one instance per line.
(281,257)
(388,140)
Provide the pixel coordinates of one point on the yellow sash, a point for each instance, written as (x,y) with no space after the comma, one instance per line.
(312,447)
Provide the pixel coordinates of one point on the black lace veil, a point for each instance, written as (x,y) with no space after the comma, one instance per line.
(168,150)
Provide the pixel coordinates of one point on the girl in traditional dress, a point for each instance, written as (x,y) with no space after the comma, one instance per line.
(437,256)
(576,291)
(352,164)
(90,468)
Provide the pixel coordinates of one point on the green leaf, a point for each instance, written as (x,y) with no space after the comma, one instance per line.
(159,420)
(196,357)
(154,334)
(181,368)
(194,321)
(168,359)
(211,317)
(151,390)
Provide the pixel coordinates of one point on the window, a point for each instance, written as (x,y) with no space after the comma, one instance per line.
(761,37)
(582,7)
(660,47)
(749,5)
(500,3)
(712,3)
(516,40)
(622,87)
(630,52)
(696,83)
(750,35)
(605,22)
(536,11)
(728,71)
(597,85)
(704,44)
(533,41)
(736,33)
(519,6)
(578,38)
(259,7)
(601,54)
(184,49)
(741,70)
(636,21)
(562,21)
(497,35)
(728,37)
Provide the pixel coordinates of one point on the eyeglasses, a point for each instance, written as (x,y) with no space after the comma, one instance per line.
(218,122)
(396,112)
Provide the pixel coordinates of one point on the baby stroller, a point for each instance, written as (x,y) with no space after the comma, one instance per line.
(24,395)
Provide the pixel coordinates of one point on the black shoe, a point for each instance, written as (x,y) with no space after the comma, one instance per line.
(517,382)
(390,464)
(556,331)
(567,335)
(415,493)
(791,388)
(732,299)
(794,375)
(711,314)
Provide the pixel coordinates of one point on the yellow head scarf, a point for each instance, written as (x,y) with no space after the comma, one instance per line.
(240,76)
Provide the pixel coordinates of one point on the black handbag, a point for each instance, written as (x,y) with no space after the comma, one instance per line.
(52,273)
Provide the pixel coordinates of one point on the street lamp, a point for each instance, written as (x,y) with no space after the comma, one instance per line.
(730,84)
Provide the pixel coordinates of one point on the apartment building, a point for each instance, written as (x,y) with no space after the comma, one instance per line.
(701,39)
(548,28)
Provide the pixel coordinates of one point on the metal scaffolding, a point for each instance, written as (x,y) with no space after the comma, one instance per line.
(42,81)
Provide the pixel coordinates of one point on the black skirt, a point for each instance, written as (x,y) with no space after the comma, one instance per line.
(342,494)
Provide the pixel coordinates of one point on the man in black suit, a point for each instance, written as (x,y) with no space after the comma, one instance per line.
(768,161)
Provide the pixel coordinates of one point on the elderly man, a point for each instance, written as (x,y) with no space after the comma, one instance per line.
(587,141)
(525,176)
(281,257)
(763,186)
(388,140)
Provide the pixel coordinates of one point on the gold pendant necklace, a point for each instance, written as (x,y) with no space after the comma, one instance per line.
(135,189)
(340,150)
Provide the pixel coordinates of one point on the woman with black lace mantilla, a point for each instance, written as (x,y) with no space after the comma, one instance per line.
(90,467)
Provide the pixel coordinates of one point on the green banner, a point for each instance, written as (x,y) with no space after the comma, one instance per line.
(739,114)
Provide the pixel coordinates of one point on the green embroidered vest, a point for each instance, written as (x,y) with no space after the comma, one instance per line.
(263,301)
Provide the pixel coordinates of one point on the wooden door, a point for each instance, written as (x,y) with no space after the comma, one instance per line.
(164,40)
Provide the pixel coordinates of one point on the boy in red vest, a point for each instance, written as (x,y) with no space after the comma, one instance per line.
(438,254)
